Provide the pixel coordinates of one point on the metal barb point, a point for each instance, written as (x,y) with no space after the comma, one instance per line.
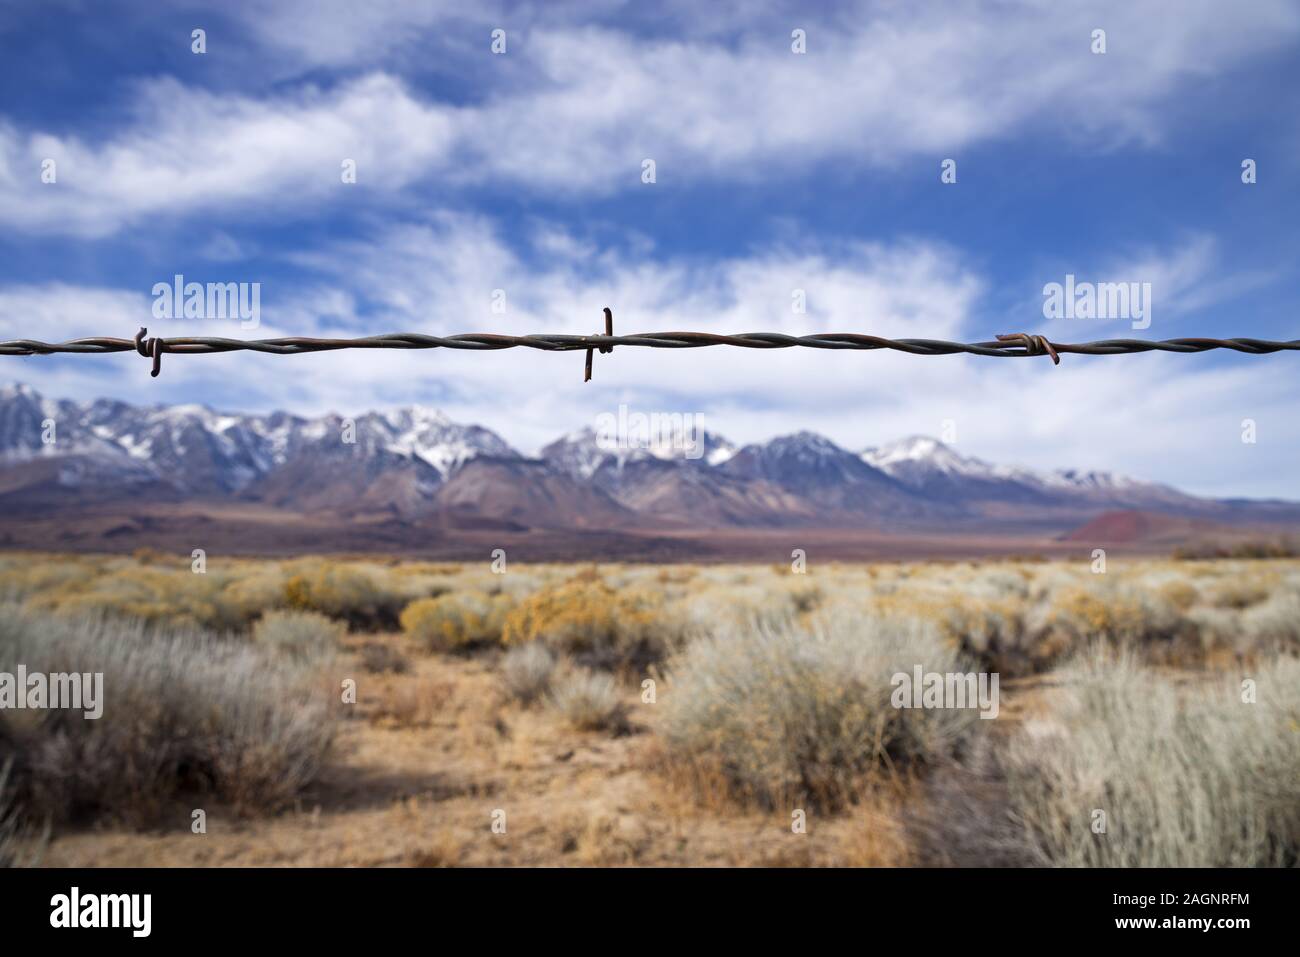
(609,331)
(150,348)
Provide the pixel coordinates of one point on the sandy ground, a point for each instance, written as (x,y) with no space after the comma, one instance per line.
(428,757)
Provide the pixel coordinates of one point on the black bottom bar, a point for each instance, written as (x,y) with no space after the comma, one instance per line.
(613,906)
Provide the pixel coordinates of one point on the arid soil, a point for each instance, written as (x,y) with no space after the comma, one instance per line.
(430,755)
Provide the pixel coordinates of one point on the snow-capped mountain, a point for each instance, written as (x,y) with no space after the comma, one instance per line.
(415,465)
(929,466)
(833,479)
(195,450)
(432,437)
(920,454)
(803,460)
(682,482)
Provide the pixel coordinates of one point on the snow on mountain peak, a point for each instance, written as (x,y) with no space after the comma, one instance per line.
(922,452)
(1091,479)
(417,417)
(911,449)
(919,458)
(15,389)
(585,451)
(804,444)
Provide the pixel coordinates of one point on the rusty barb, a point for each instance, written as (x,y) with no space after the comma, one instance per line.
(1014,345)
(150,348)
(1033,345)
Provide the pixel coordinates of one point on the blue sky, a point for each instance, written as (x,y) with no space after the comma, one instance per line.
(775,171)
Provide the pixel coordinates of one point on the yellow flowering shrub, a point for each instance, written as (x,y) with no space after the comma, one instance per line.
(595,623)
(338,591)
(155,596)
(457,620)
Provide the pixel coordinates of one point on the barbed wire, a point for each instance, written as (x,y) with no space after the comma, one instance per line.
(1015,345)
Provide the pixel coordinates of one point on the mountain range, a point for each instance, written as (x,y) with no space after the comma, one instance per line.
(413,469)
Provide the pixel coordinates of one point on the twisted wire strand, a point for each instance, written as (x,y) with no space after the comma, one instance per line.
(1014,345)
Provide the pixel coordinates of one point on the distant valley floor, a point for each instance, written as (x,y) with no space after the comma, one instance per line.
(255,529)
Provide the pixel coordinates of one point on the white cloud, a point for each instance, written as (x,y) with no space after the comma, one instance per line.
(576,110)
(339,33)
(189,150)
(1186,276)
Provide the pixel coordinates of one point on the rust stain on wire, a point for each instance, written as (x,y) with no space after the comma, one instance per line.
(1013,346)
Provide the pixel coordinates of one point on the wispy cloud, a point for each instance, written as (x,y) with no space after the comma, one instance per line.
(577,110)
(189,150)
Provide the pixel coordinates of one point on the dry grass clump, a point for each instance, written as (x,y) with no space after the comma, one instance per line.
(379,658)
(251,592)
(793,712)
(1218,630)
(413,702)
(991,631)
(1239,592)
(597,625)
(183,712)
(710,606)
(1187,776)
(526,672)
(1274,624)
(588,700)
(1115,614)
(9,827)
(456,621)
(589,836)
(21,842)
(804,596)
(304,635)
(1180,593)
